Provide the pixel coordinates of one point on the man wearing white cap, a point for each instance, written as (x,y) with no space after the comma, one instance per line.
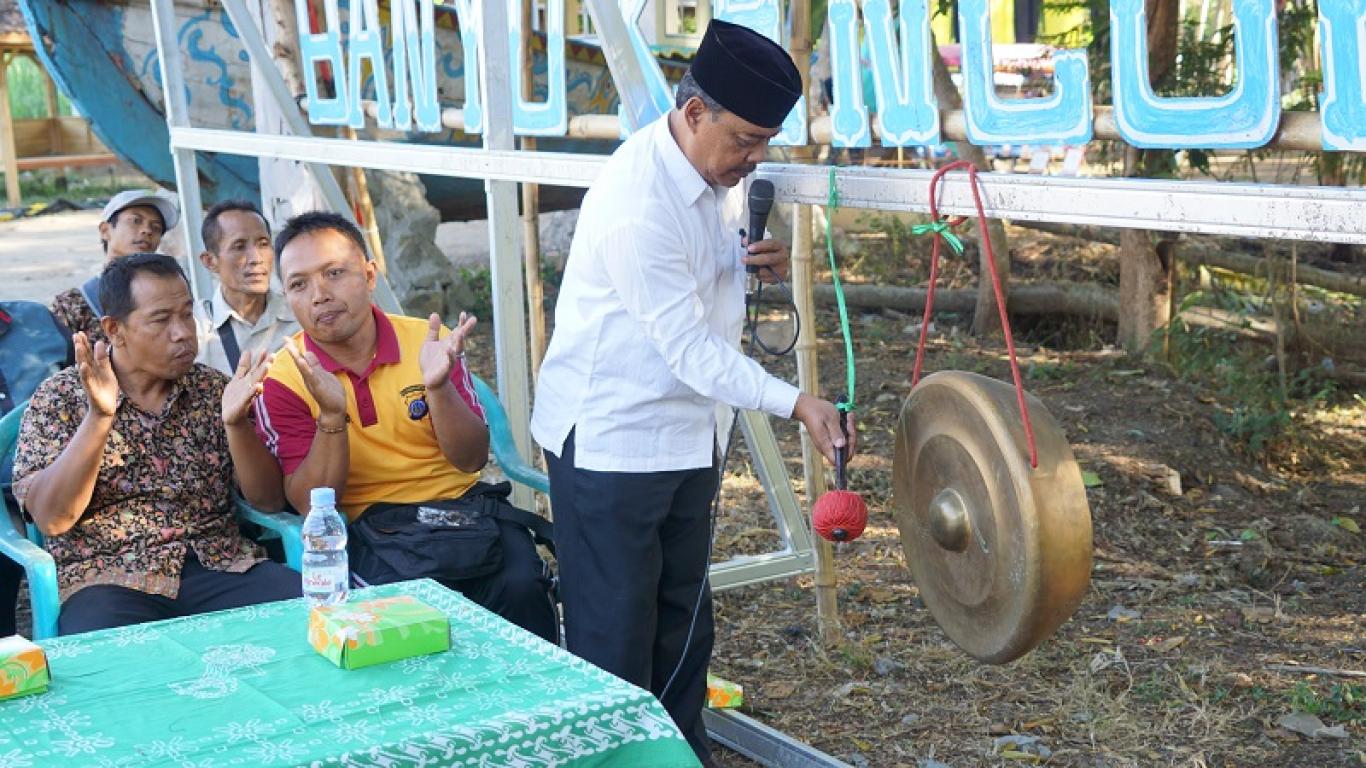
(133,222)
(647,327)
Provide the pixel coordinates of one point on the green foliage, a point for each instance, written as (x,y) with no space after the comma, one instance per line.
(480,282)
(90,186)
(1342,703)
(1255,410)
(883,263)
(27,94)
(1204,67)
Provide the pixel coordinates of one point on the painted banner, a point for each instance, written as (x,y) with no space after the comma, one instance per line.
(862,33)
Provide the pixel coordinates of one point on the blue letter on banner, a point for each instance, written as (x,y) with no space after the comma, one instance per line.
(1245,117)
(1062,118)
(907,113)
(549,117)
(1342,30)
(367,42)
(848,114)
(323,47)
(765,17)
(467,17)
(415,57)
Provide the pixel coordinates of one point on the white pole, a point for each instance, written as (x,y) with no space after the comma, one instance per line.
(505,258)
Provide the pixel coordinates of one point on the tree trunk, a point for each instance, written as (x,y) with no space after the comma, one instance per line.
(985,319)
(1228,253)
(1164,25)
(1145,280)
(1034,299)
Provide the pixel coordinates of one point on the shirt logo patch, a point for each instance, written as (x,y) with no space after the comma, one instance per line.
(416,398)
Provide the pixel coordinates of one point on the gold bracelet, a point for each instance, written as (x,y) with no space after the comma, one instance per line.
(327,431)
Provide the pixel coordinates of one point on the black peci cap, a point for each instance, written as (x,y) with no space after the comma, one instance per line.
(747,73)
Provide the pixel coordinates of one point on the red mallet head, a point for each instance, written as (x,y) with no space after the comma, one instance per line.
(840,516)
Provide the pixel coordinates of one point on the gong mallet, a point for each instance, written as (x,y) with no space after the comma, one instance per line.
(841,514)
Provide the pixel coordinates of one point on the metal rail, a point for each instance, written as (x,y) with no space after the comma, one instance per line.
(1324,214)
(767,746)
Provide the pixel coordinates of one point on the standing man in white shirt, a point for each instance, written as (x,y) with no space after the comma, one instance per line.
(646,343)
(245,313)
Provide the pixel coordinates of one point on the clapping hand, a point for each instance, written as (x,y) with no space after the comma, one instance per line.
(246,384)
(97,375)
(326,390)
(437,356)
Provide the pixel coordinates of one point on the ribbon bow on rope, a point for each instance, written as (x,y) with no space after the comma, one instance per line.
(941,228)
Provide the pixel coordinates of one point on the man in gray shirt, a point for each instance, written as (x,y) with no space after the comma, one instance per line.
(245,312)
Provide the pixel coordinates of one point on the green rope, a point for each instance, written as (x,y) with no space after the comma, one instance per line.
(941,229)
(832,204)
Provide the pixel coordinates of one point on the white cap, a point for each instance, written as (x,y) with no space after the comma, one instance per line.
(170,212)
(322,497)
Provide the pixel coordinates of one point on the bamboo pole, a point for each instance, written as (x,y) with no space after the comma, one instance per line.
(803,268)
(365,208)
(7,137)
(531,216)
(1298,130)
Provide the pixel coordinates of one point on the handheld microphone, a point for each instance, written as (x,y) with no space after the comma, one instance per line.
(760,203)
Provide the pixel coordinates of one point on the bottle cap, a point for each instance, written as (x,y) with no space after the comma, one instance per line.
(322,497)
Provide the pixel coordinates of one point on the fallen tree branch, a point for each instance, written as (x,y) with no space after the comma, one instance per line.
(1224,253)
(1082,299)
(1334,672)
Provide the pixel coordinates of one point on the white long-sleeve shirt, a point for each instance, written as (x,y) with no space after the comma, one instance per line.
(648,320)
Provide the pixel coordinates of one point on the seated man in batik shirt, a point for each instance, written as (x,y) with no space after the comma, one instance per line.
(126,463)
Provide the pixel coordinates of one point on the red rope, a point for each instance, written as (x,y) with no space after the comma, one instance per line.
(995,284)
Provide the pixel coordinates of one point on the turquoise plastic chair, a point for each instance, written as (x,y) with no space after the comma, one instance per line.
(37,564)
(287,525)
(42,571)
(503,446)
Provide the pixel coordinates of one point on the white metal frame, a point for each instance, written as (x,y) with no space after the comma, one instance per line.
(491,164)
(1329,214)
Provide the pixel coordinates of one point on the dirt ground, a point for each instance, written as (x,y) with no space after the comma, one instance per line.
(1202,601)
(1165,663)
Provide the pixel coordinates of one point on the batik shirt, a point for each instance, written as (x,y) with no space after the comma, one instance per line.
(163,489)
(73,311)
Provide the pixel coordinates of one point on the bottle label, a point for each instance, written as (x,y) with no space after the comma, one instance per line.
(332,578)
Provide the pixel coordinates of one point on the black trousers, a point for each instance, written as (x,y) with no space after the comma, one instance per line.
(11,573)
(519,591)
(201,590)
(632,549)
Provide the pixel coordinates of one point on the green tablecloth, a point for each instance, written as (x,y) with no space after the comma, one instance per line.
(244,688)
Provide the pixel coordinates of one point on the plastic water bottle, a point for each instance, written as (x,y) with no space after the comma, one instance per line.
(326,573)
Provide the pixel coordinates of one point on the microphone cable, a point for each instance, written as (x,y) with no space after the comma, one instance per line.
(754,305)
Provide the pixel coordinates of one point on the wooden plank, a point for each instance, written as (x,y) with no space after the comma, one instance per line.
(67,161)
(78,138)
(33,138)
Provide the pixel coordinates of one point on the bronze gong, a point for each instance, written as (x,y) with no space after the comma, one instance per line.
(1001,551)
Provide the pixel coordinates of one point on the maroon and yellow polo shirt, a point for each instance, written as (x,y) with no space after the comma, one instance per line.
(394,455)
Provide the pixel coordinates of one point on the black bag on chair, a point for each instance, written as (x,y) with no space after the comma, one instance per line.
(446,540)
